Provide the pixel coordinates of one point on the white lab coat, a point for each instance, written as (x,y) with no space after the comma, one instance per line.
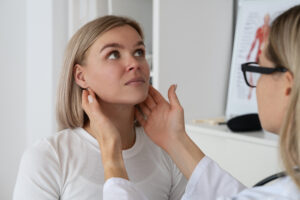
(210,182)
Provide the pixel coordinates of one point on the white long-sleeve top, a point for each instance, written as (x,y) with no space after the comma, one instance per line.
(68,166)
(210,182)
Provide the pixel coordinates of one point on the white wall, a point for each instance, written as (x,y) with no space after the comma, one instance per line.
(33,37)
(47,28)
(193,40)
(60,39)
(39,69)
(12,87)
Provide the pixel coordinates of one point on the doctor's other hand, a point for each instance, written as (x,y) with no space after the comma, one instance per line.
(162,121)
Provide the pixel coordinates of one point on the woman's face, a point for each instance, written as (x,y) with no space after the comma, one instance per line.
(115,67)
(272,96)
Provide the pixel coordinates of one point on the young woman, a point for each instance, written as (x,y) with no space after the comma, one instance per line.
(105,74)
(278,97)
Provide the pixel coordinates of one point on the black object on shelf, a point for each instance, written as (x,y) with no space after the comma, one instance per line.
(244,123)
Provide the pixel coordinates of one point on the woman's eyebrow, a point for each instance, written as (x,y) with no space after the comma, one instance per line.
(117,45)
(140,43)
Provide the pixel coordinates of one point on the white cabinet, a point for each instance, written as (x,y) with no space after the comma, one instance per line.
(249,157)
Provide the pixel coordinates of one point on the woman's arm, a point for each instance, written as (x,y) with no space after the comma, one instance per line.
(107,136)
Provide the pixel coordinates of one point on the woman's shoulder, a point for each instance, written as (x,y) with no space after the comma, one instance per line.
(66,137)
(41,164)
(51,146)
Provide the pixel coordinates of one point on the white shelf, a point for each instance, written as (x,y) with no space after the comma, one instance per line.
(249,157)
(259,137)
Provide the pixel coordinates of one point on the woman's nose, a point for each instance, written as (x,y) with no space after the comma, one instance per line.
(132,64)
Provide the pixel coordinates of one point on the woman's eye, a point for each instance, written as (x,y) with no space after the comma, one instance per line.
(139,53)
(114,55)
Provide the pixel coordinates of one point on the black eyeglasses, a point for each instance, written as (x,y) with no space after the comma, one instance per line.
(252,72)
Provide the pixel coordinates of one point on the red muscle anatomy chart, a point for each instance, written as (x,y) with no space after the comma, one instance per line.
(254,19)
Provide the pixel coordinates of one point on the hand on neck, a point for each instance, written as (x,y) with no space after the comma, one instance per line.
(122,117)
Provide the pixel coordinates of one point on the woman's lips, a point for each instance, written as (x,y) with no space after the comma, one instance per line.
(135,81)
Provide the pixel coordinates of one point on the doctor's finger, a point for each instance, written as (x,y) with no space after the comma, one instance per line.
(150,102)
(174,101)
(158,98)
(139,117)
(144,108)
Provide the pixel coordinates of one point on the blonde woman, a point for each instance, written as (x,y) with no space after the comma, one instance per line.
(278,97)
(105,74)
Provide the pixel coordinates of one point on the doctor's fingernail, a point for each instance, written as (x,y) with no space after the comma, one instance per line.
(90,98)
(175,87)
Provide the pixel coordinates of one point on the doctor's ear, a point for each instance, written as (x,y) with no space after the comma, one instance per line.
(289,80)
(79,76)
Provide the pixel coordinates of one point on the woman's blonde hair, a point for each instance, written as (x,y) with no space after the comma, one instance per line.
(69,112)
(284,50)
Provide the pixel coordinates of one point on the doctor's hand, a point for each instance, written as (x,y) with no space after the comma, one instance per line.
(162,121)
(107,136)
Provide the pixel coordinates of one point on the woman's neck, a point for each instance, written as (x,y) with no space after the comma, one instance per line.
(122,116)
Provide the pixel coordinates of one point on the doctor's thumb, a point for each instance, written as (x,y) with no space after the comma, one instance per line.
(174,101)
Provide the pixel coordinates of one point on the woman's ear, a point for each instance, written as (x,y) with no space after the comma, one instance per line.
(79,76)
(289,83)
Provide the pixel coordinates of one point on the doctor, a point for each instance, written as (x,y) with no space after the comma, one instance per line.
(278,97)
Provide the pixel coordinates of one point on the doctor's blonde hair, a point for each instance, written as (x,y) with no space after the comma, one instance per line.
(284,50)
(69,112)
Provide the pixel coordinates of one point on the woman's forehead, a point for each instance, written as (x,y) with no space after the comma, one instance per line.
(120,34)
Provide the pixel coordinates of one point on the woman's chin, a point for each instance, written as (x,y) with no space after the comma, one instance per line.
(139,99)
(129,100)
